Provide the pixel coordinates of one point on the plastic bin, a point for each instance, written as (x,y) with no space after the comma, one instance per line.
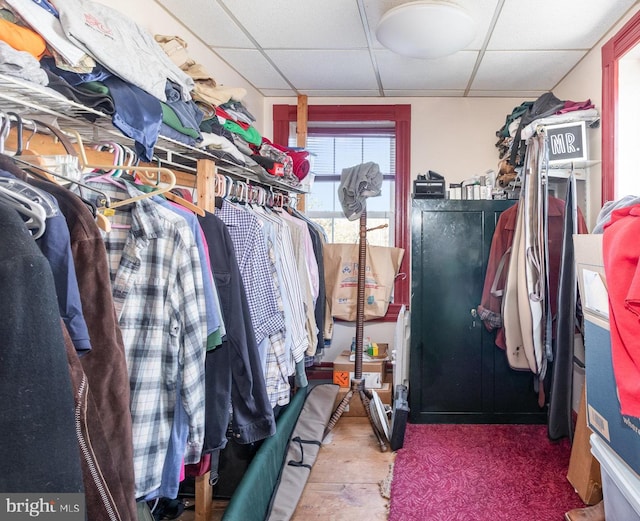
(620,485)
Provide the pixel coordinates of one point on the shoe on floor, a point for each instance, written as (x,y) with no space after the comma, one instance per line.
(592,513)
(168,509)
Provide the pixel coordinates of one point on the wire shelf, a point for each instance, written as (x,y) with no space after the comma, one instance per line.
(30,99)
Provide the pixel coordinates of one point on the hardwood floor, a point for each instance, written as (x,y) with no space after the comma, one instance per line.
(344,483)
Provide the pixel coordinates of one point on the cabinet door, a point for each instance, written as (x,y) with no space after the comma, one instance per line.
(454,362)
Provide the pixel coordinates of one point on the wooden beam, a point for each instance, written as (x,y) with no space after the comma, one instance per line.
(205,184)
(301,133)
(303,114)
(204,498)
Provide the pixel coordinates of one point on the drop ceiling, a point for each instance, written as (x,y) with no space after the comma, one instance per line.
(522,48)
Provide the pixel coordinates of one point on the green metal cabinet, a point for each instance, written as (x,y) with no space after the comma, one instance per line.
(457,373)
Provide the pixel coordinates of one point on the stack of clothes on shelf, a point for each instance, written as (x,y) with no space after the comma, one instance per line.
(100,58)
(526,118)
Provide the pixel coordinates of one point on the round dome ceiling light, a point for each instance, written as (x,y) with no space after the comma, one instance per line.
(426,29)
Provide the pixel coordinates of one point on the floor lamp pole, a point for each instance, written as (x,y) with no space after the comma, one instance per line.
(357,383)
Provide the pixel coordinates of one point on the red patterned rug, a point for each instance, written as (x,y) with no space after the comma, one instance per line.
(481,473)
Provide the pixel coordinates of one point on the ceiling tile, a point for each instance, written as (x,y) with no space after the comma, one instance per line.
(529,94)
(424,93)
(207,20)
(275,93)
(524,70)
(253,66)
(450,73)
(553,24)
(342,93)
(326,70)
(295,24)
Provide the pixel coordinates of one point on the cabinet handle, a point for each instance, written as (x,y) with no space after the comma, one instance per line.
(474,314)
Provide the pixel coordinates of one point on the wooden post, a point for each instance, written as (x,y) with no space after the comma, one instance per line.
(301,133)
(205,186)
(303,116)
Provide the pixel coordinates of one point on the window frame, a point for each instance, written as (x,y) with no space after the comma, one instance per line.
(623,41)
(400,115)
(350,131)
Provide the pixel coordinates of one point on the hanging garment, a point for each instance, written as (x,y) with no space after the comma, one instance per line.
(492,304)
(560,422)
(621,263)
(286,347)
(255,269)
(490,308)
(55,245)
(159,302)
(40,451)
(101,500)
(531,261)
(105,365)
(513,332)
(356,184)
(234,379)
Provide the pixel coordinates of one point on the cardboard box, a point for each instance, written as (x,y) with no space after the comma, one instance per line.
(372,372)
(355,407)
(584,468)
(621,434)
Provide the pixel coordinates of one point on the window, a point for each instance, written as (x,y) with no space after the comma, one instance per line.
(616,148)
(335,148)
(359,126)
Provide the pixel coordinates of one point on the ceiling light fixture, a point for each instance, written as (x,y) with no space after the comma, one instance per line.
(426,29)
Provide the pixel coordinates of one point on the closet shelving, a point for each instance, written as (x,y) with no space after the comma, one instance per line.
(29,99)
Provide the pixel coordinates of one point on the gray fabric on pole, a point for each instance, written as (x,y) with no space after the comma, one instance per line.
(356,184)
(304,446)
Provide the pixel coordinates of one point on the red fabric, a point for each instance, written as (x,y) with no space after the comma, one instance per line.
(300,158)
(570,106)
(621,252)
(224,114)
(502,240)
(200,468)
(481,473)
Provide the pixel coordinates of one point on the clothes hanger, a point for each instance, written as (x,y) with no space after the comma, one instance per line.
(36,169)
(143,173)
(31,192)
(147,174)
(33,212)
(171,196)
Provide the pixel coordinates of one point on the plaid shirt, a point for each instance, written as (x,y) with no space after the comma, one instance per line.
(252,255)
(158,295)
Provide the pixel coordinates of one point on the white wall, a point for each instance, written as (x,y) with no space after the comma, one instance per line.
(583,82)
(455,137)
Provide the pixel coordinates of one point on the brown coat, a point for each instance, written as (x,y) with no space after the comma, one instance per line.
(105,365)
